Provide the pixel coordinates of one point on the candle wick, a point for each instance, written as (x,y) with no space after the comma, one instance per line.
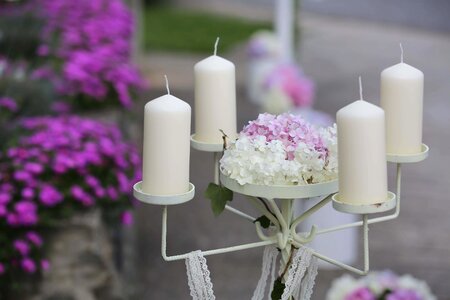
(167,85)
(360,88)
(215,46)
(401,52)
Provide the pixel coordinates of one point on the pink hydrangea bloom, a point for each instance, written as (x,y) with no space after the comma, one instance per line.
(287,128)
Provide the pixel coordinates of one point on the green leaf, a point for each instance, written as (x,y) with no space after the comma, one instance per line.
(278,289)
(264,221)
(219,195)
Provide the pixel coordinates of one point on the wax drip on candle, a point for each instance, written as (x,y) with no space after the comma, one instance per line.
(167,85)
(401,52)
(215,46)
(360,89)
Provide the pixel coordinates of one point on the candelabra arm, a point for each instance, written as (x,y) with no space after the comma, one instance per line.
(264,211)
(378,219)
(309,212)
(263,236)
(345,266)
(207,252)
(239,213)
(216,167)
(278,214)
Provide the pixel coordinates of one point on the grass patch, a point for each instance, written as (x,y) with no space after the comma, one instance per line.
(188,31)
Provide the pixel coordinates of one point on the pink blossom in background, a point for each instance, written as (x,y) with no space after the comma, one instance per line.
(127,218)
(94,45)
(291,80)
(80,151)
(35,238)
(2,268)
(22,247)
(8,103)
(45,265)
(361,294)
(28,265)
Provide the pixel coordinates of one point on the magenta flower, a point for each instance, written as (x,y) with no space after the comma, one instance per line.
(34,238)
(361,294)
(22,247)
(28,265)
(26,212)
(49,195)
(3,210)
(45,265)
(94,45)
(127,218)
(5,197)
(8,103)
(2,269)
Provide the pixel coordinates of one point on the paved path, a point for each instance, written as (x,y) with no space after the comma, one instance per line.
(334,53)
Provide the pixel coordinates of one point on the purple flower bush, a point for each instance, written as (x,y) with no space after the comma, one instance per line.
(59,166)
(91,40)
(379,286)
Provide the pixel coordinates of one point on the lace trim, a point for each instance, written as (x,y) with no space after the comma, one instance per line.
(268,266)
(297,270)
(309,280)
(199,277)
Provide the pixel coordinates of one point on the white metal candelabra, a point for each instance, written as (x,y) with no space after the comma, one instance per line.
(283,233)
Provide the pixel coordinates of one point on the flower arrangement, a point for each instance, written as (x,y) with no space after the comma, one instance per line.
(263,44)
(282,150)
(57,167)
(91,40)
(286,87)
(379,286)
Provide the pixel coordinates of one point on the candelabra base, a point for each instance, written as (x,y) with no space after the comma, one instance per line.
(163,199)
(281,191)
(389,204)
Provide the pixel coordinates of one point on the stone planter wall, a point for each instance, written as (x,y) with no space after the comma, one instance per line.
(81,258)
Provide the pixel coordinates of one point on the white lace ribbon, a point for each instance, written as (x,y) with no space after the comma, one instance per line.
(199,277)
(299,265)
(309,280)
(268,268)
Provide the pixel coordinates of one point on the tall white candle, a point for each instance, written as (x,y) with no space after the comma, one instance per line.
(361,153)
(215,99)
(167,128)
(402,101)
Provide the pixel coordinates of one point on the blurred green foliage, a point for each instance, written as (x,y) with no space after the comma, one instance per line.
(19,36)
(166,28)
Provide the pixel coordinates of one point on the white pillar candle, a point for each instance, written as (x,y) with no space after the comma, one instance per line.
(402,101)
(215,99)
(362,153)
(167,128)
